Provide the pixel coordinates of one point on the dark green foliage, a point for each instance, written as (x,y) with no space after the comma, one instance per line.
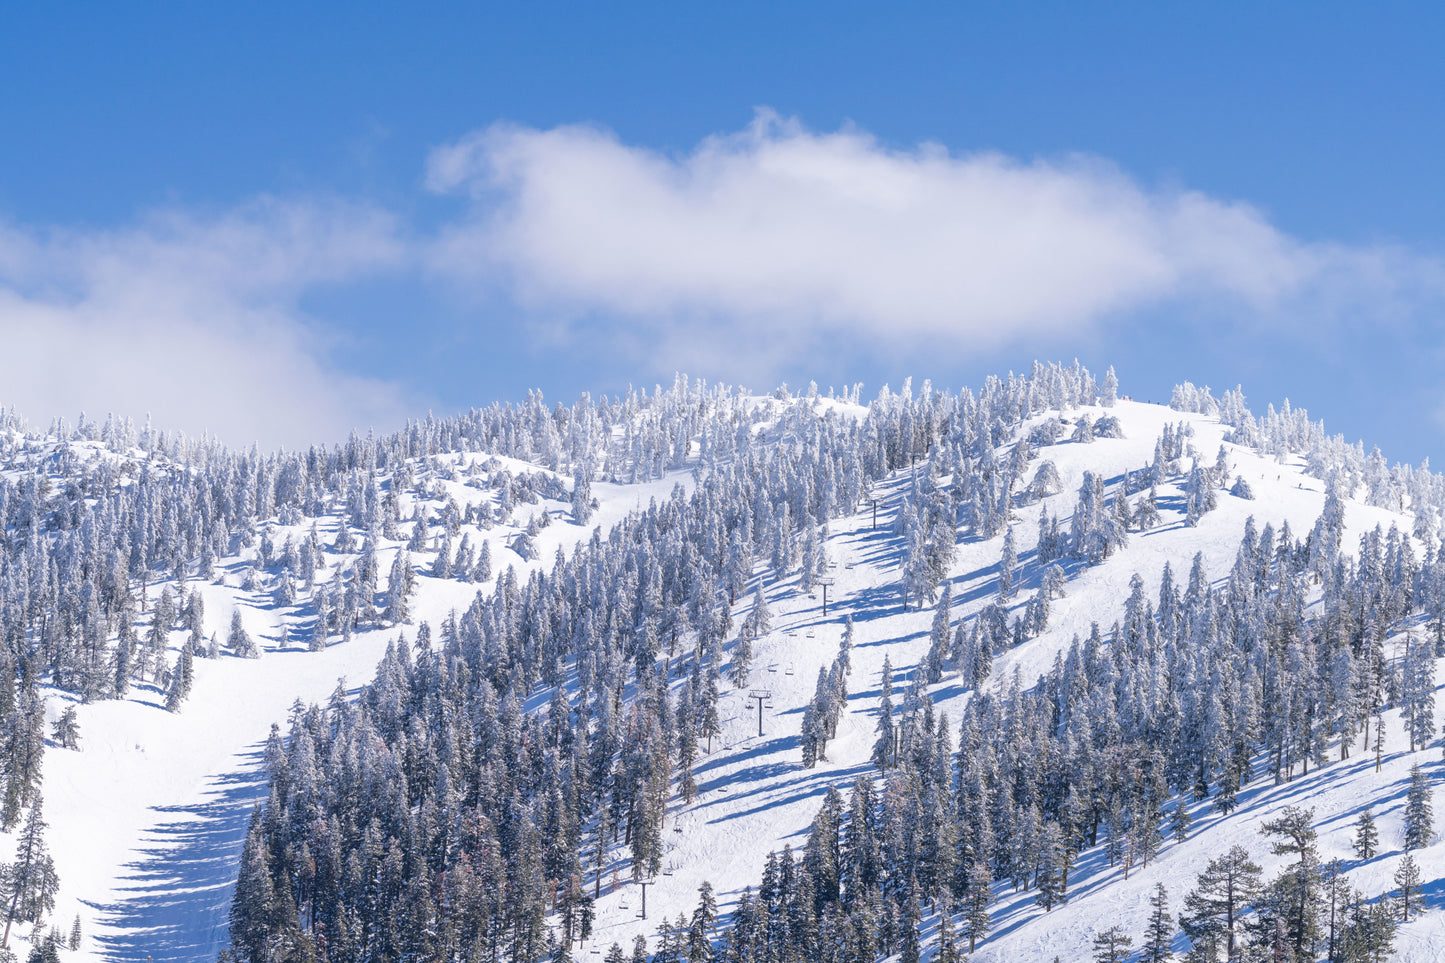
(1419,813)
(1158,943)
(1112,945)
(1214,911)
(1367,837)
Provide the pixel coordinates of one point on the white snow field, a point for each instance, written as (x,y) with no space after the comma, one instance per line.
(147,818)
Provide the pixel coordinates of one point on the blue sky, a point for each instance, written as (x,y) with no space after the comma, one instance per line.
(347,215)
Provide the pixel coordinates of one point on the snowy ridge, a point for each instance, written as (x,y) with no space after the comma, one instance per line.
(148,817)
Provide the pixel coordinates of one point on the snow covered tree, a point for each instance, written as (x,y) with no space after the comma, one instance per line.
(181,680)
(1158,943)
(239,640)
(1290,906)
(582,495)
(399,588)
(1109,393)
(1112,945)
(1418,692)
(742,661)
(30,881)
(66,730)
(1419,814)
(1008,562)
(940,636)
(1367,838)
(1199,494)
(976,901)
(883,748)
(1407,883)
(1215,908)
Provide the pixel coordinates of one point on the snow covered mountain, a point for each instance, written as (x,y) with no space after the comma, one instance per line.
(618,709)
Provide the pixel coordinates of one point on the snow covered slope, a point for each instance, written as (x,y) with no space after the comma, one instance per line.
(148,816)
(756,796)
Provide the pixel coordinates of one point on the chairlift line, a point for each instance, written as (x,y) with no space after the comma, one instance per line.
(761,695)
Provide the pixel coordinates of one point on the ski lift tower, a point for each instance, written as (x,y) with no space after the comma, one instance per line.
(762,695)
(825,581)
(644,883)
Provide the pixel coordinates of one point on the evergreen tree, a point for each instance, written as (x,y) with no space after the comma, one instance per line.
(1109,393)
(30,881)
(1367,837)
(742,660)
(883,747)
(1419,814)
(482,571)
(1407,883)
(239,640)
(947,941)
(399,589)
(1051,877)
(940,635)
(1418,692)
(1179,825)
(1112,945)
(66,730)
(1291,904)
(912,915)
(1159,935)
(1214,910)
(1008,562)
(181,680)
(976,901)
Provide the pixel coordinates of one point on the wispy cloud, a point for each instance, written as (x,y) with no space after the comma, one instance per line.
(780,234)
(194,320)
(731,260)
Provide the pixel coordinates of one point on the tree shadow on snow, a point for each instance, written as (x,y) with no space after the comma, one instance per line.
(179,886)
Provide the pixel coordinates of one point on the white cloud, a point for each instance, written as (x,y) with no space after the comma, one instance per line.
(194,321)
(780,234)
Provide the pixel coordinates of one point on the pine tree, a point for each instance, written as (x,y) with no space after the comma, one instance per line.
(1337,893)
(699,931)
(1291,904)
(1109,394)
(883,748)
(947,940)
(939,637)
(399,589)
(30,881)
(912,915)
(1008,561)
(1223,893)
(66,730)
(1367,837)
(1159,935)
(254,907)
(1419,814)
(1179,825)
(320,629)
(1407,880)
(976,901)
(1112,945)
(742,661)
(482,571)
(239,640)
(1052,874)
(1418,692)
(181,680)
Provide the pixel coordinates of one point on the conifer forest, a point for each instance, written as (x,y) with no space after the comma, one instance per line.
(1026,671)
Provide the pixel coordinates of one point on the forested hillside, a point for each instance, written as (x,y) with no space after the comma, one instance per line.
(1026,672)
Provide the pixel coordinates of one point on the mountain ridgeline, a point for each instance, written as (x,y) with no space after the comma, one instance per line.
(521,760)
